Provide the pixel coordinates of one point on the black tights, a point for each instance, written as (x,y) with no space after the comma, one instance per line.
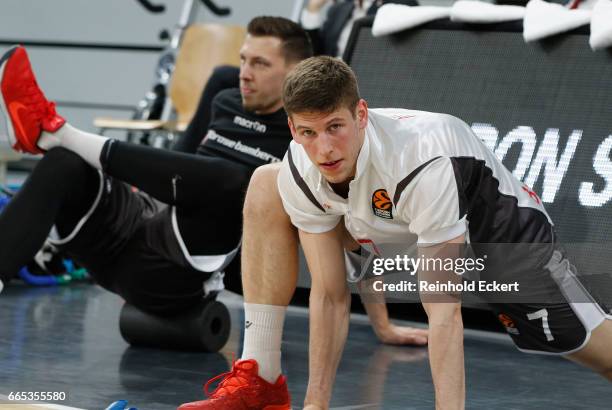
(59,191)
(62,188)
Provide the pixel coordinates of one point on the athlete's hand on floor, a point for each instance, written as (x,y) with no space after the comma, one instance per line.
(402,335)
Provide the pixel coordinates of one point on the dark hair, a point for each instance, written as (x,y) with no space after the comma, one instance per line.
(320,84)
(296,43)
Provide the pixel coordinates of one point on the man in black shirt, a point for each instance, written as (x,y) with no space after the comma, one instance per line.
(157,246)
(243,136)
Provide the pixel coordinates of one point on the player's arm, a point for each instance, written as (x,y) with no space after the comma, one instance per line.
(375,304)
(435,207)
(445,329)
(329,312)
(385,330)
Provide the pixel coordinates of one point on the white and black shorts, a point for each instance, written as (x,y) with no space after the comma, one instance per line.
(131,245)
(564,323)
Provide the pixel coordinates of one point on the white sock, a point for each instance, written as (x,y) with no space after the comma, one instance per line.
(87,146)
(263,333)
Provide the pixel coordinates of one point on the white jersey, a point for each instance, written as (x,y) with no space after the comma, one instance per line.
(420,176)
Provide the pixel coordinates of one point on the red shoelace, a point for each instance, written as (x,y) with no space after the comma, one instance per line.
(232,380)
(40,107)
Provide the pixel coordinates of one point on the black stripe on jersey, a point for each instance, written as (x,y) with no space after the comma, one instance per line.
(495,217)
(404,182)
(301,183)
(455,162)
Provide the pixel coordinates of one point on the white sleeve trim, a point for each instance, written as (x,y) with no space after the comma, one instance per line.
(306,223)
(303,214)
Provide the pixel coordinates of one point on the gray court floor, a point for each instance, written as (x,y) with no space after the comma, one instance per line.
(67,340)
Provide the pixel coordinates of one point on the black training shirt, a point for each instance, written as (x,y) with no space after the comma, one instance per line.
(242,136)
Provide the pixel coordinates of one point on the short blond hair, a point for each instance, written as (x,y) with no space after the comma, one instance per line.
(320,84)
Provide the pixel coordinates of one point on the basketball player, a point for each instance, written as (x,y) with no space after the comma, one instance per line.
(445,186)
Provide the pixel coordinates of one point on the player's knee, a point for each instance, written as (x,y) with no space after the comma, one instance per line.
(266,174)
(262,197)
(61,158)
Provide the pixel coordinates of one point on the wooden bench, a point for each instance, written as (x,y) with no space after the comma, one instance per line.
(204,46)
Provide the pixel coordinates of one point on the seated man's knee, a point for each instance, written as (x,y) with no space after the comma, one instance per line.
(61,158)
(262,198)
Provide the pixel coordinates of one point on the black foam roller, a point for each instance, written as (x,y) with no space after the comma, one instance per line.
(204,328)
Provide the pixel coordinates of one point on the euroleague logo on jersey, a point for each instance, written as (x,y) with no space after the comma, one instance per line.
(508,323)
(381,204)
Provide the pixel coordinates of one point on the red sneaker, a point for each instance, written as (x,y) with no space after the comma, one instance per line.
(28,113)
(243,389)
